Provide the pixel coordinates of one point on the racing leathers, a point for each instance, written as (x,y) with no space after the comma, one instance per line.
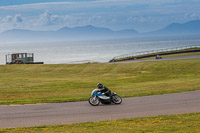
(105,90)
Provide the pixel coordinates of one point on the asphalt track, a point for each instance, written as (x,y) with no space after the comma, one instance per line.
(168,58)
(77,112)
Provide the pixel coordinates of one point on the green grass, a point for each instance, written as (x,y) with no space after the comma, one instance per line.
(184,123)
(23,84)
(181,54)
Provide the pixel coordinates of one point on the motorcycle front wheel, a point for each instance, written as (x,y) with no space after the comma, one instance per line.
(116,99)
(94,100)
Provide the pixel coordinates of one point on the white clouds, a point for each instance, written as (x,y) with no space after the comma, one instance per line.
(115,14)
(82,5)
(92,6)
(17,18)
(11,22)
(12,19)
(48,19)
(141,19)
(7,19)
(136,19)
(192,16)
(45,18)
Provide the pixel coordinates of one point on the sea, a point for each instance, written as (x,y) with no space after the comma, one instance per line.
(75,52)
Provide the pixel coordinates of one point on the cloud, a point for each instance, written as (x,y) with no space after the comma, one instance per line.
(12,19)
(107,5)
(17,18)
(45,18)
(7,19)
(141,19)
(48,19)
(192,16)
(136,19)
(11,22)
(79,5)
(114,14)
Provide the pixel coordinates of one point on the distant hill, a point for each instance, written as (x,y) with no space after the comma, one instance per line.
(90,32)
(89,29)
(189,28)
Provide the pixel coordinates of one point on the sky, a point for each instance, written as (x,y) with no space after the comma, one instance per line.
(141,15)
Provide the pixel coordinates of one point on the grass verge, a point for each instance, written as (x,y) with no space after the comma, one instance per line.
(183,123)
(29,84)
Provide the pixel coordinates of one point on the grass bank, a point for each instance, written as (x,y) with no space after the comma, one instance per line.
(23,84)
(184,123)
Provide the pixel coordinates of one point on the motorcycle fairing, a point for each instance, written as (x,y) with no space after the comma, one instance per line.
(100,95)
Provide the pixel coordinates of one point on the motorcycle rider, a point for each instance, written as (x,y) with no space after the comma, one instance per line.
(104,89)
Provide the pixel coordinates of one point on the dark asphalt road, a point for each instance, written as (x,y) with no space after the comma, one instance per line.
(169,58)
(76,112)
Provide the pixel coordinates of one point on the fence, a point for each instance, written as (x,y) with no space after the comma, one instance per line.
(132,55)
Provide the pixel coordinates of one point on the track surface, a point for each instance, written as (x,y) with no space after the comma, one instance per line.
(169,58)
(76,112)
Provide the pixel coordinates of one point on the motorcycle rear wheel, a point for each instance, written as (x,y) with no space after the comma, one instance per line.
(116,99)
(94,100)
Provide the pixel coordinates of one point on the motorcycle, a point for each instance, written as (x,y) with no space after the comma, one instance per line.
(97,97)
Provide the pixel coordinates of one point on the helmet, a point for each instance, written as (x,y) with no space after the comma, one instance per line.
(100,85)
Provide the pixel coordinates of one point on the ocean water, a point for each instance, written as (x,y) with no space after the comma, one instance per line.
(93,51)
